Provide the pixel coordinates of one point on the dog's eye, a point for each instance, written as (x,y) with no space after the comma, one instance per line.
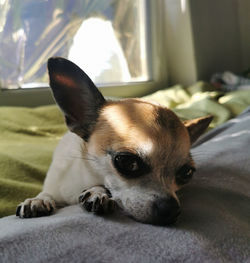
(184,175)
(129,165)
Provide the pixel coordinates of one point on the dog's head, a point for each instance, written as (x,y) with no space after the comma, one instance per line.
(141,149)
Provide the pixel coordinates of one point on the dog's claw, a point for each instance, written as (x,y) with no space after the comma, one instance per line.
(96,205)
(97,200)
(18,210)
(83,197)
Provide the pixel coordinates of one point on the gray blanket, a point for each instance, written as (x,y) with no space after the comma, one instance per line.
(214,225)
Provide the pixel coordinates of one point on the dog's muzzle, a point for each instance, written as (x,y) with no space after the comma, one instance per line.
(165,211)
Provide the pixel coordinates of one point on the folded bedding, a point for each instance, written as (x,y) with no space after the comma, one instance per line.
(213,226)
(29,135)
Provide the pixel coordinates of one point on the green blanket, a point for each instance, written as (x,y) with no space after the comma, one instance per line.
(29,136)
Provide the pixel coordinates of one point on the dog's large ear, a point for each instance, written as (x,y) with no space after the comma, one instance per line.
(76,94)
(197,127)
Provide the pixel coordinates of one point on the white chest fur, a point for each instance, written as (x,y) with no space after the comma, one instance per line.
(72,170)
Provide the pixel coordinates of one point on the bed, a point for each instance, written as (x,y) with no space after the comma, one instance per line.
(214,225)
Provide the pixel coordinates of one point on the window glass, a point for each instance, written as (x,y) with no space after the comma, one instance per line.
(106,38)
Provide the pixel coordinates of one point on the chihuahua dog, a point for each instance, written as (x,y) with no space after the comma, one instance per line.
(128,153)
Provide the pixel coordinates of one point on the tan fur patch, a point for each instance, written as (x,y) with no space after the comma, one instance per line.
(141,127)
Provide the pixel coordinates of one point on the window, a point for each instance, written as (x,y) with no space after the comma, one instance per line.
(105,38)
(111,40)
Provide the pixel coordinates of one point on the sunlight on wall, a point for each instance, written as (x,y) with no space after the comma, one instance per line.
(183,6)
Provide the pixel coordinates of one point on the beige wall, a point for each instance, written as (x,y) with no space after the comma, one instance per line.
(179,44)
(205,37)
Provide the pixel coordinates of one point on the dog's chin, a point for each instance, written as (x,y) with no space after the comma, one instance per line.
(146,215)
(157,222)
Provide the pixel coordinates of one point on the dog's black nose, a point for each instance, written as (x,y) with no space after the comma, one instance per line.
(165,211)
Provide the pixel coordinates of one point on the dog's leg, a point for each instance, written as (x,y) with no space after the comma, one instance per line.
(97,199)
(41,205)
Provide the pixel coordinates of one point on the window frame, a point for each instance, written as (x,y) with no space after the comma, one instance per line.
(155,25)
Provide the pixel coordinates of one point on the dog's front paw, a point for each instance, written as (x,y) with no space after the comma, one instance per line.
(97,200)
(35,207)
